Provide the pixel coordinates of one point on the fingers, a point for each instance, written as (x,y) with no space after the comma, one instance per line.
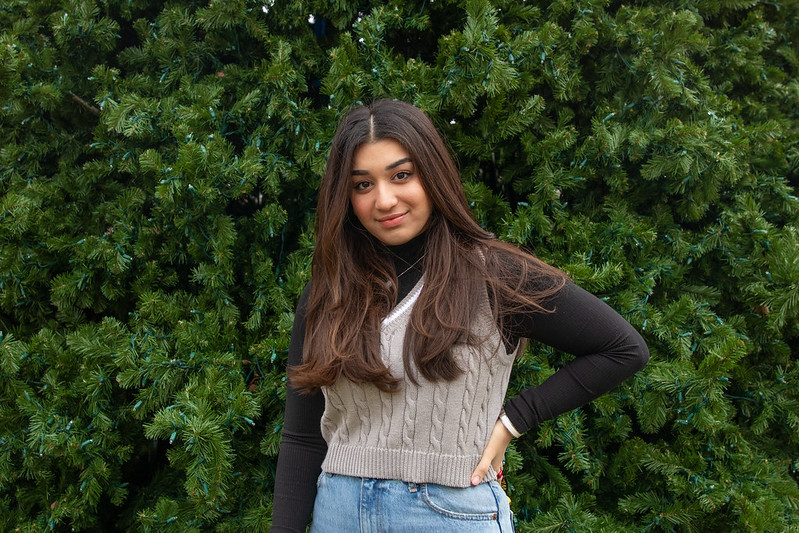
(480,472)
(493,453)
(486,460)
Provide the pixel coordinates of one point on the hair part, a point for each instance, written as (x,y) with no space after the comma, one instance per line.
(353,283)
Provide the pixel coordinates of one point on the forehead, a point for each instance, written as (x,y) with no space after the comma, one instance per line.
(378,154)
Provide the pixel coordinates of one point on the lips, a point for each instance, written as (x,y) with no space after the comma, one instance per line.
(391,220)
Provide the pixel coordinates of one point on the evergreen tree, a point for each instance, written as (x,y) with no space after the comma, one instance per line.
(158,172)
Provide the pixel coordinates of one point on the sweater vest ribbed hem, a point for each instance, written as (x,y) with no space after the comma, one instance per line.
(407,465)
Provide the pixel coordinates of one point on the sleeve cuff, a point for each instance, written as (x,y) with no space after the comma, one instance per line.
(508,424)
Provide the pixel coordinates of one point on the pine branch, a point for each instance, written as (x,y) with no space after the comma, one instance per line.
(85,105)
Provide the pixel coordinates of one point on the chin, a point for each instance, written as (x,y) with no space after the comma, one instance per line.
(396,240)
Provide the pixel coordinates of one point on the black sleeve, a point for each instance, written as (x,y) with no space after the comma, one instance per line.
(302,447)
(608,350)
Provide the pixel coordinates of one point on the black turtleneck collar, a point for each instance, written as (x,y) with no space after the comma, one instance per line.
(409,251)
(408,262)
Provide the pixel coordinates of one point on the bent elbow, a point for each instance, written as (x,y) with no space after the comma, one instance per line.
(641,352)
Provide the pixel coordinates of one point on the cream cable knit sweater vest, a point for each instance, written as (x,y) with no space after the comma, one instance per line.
(431,433)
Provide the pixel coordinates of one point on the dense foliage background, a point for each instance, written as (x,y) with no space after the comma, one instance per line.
(158,171)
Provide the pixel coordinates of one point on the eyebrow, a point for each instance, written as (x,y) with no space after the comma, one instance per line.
(389,167)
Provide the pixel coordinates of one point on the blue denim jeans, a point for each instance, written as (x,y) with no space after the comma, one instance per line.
(347,504)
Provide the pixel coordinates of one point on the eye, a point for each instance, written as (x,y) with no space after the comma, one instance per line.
(403,175)
(361,186)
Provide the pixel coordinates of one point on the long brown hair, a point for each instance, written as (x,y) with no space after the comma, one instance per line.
(353,283)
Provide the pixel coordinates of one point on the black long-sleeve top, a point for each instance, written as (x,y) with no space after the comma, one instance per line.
(606,347)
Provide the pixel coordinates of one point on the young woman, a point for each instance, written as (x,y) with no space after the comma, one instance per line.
(404,339)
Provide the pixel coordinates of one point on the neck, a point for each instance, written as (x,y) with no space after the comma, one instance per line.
(412,249)
(408,262)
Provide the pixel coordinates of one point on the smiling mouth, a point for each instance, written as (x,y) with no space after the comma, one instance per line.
(391,220)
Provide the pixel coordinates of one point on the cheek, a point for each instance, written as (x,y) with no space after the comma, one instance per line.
(424,201)
(359,206)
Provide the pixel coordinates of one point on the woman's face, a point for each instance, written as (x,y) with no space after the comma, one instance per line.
(386,193)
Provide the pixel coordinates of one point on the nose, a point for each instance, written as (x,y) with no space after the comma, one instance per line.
(385,199)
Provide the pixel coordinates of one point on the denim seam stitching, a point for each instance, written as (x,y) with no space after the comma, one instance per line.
(473,517)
